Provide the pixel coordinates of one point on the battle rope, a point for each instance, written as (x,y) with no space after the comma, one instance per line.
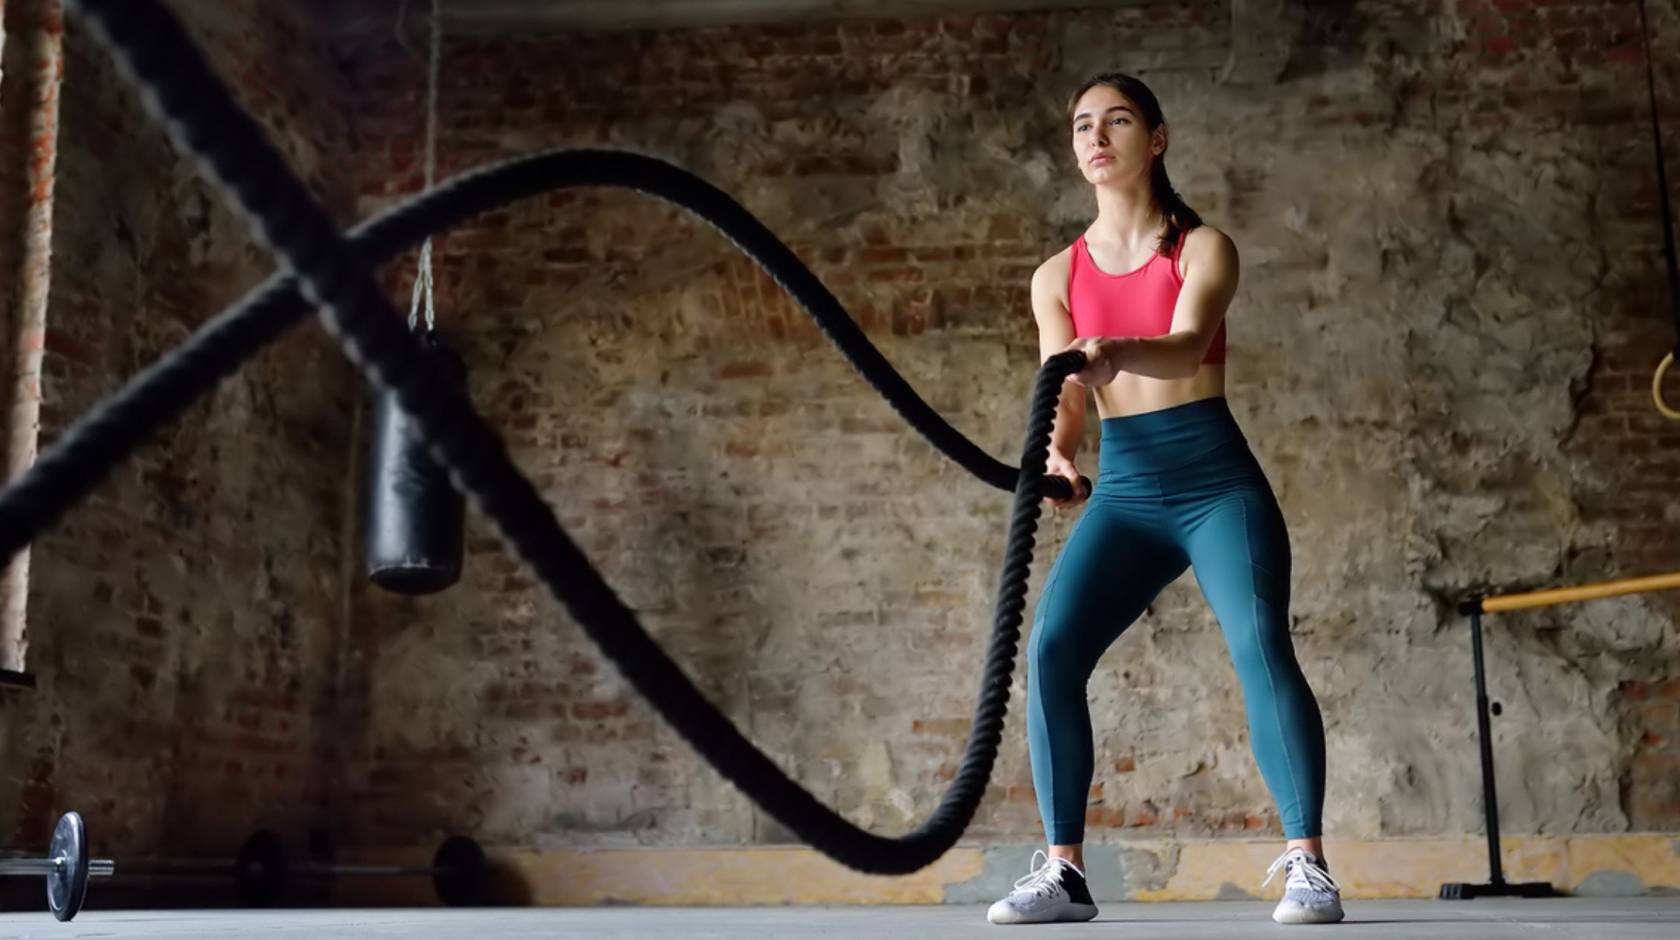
(333,274)
(1667,224)
(67,471)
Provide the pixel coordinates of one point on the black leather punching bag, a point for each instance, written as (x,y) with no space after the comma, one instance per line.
(414,516)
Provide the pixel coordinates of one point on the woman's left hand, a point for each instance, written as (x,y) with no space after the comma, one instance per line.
(1102,360)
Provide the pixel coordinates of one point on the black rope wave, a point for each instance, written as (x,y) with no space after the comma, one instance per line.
(162,391)
(333,274)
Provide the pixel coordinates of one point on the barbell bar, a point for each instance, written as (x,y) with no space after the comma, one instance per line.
(458,869)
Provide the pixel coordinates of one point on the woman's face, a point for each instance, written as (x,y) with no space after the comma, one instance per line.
(1110,140)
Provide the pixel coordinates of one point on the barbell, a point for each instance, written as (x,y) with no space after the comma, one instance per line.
(66,866)
(261,872)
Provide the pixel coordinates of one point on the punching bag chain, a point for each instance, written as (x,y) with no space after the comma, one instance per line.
(423,280)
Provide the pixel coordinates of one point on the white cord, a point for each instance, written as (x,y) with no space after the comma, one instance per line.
(423,280)
(432,93)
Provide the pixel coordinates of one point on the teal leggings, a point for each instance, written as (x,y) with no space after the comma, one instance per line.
(1178,487)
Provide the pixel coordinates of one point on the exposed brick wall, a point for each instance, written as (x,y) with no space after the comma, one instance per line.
(1457,224)
(1635,449)
(1627,438)
(184,620)
(695,458)
(1577,70)
(1653,721)
(1449,303)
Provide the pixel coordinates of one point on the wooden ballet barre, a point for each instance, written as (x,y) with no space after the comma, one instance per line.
(1567,595)
(1474,608)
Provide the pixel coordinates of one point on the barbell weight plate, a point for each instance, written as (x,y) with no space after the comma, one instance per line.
(67,883)
(458,872)
(261,870)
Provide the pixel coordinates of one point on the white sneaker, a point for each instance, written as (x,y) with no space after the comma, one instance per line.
(1310,895)
(1054,891)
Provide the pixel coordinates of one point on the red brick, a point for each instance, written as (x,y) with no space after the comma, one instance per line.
(746,370)
(953,727)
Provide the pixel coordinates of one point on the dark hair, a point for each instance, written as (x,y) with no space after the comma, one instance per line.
(1180,217)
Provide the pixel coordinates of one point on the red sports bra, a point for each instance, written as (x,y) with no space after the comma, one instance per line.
(1138,303)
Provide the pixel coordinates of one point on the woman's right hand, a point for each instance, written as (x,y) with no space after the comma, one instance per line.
(1060,466)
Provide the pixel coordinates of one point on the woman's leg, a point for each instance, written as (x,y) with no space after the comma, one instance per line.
(1239,547)
(1115,562)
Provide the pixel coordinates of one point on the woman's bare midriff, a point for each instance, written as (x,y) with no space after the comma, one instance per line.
(1132,394)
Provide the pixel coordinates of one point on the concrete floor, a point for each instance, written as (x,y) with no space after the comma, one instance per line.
(1562,919)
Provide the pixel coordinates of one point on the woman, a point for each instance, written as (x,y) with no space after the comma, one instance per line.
(1143,293)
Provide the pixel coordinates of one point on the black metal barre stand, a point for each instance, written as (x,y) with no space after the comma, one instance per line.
(261,873)
(1497,886)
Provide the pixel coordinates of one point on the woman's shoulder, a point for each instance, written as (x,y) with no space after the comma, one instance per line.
(1056,267)
(1210,247)
(1050,279)
(1205,238)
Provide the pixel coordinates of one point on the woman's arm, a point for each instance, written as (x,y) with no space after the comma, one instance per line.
(1211,271)
(1055,332)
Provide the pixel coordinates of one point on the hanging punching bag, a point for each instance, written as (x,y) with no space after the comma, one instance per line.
(414,516)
